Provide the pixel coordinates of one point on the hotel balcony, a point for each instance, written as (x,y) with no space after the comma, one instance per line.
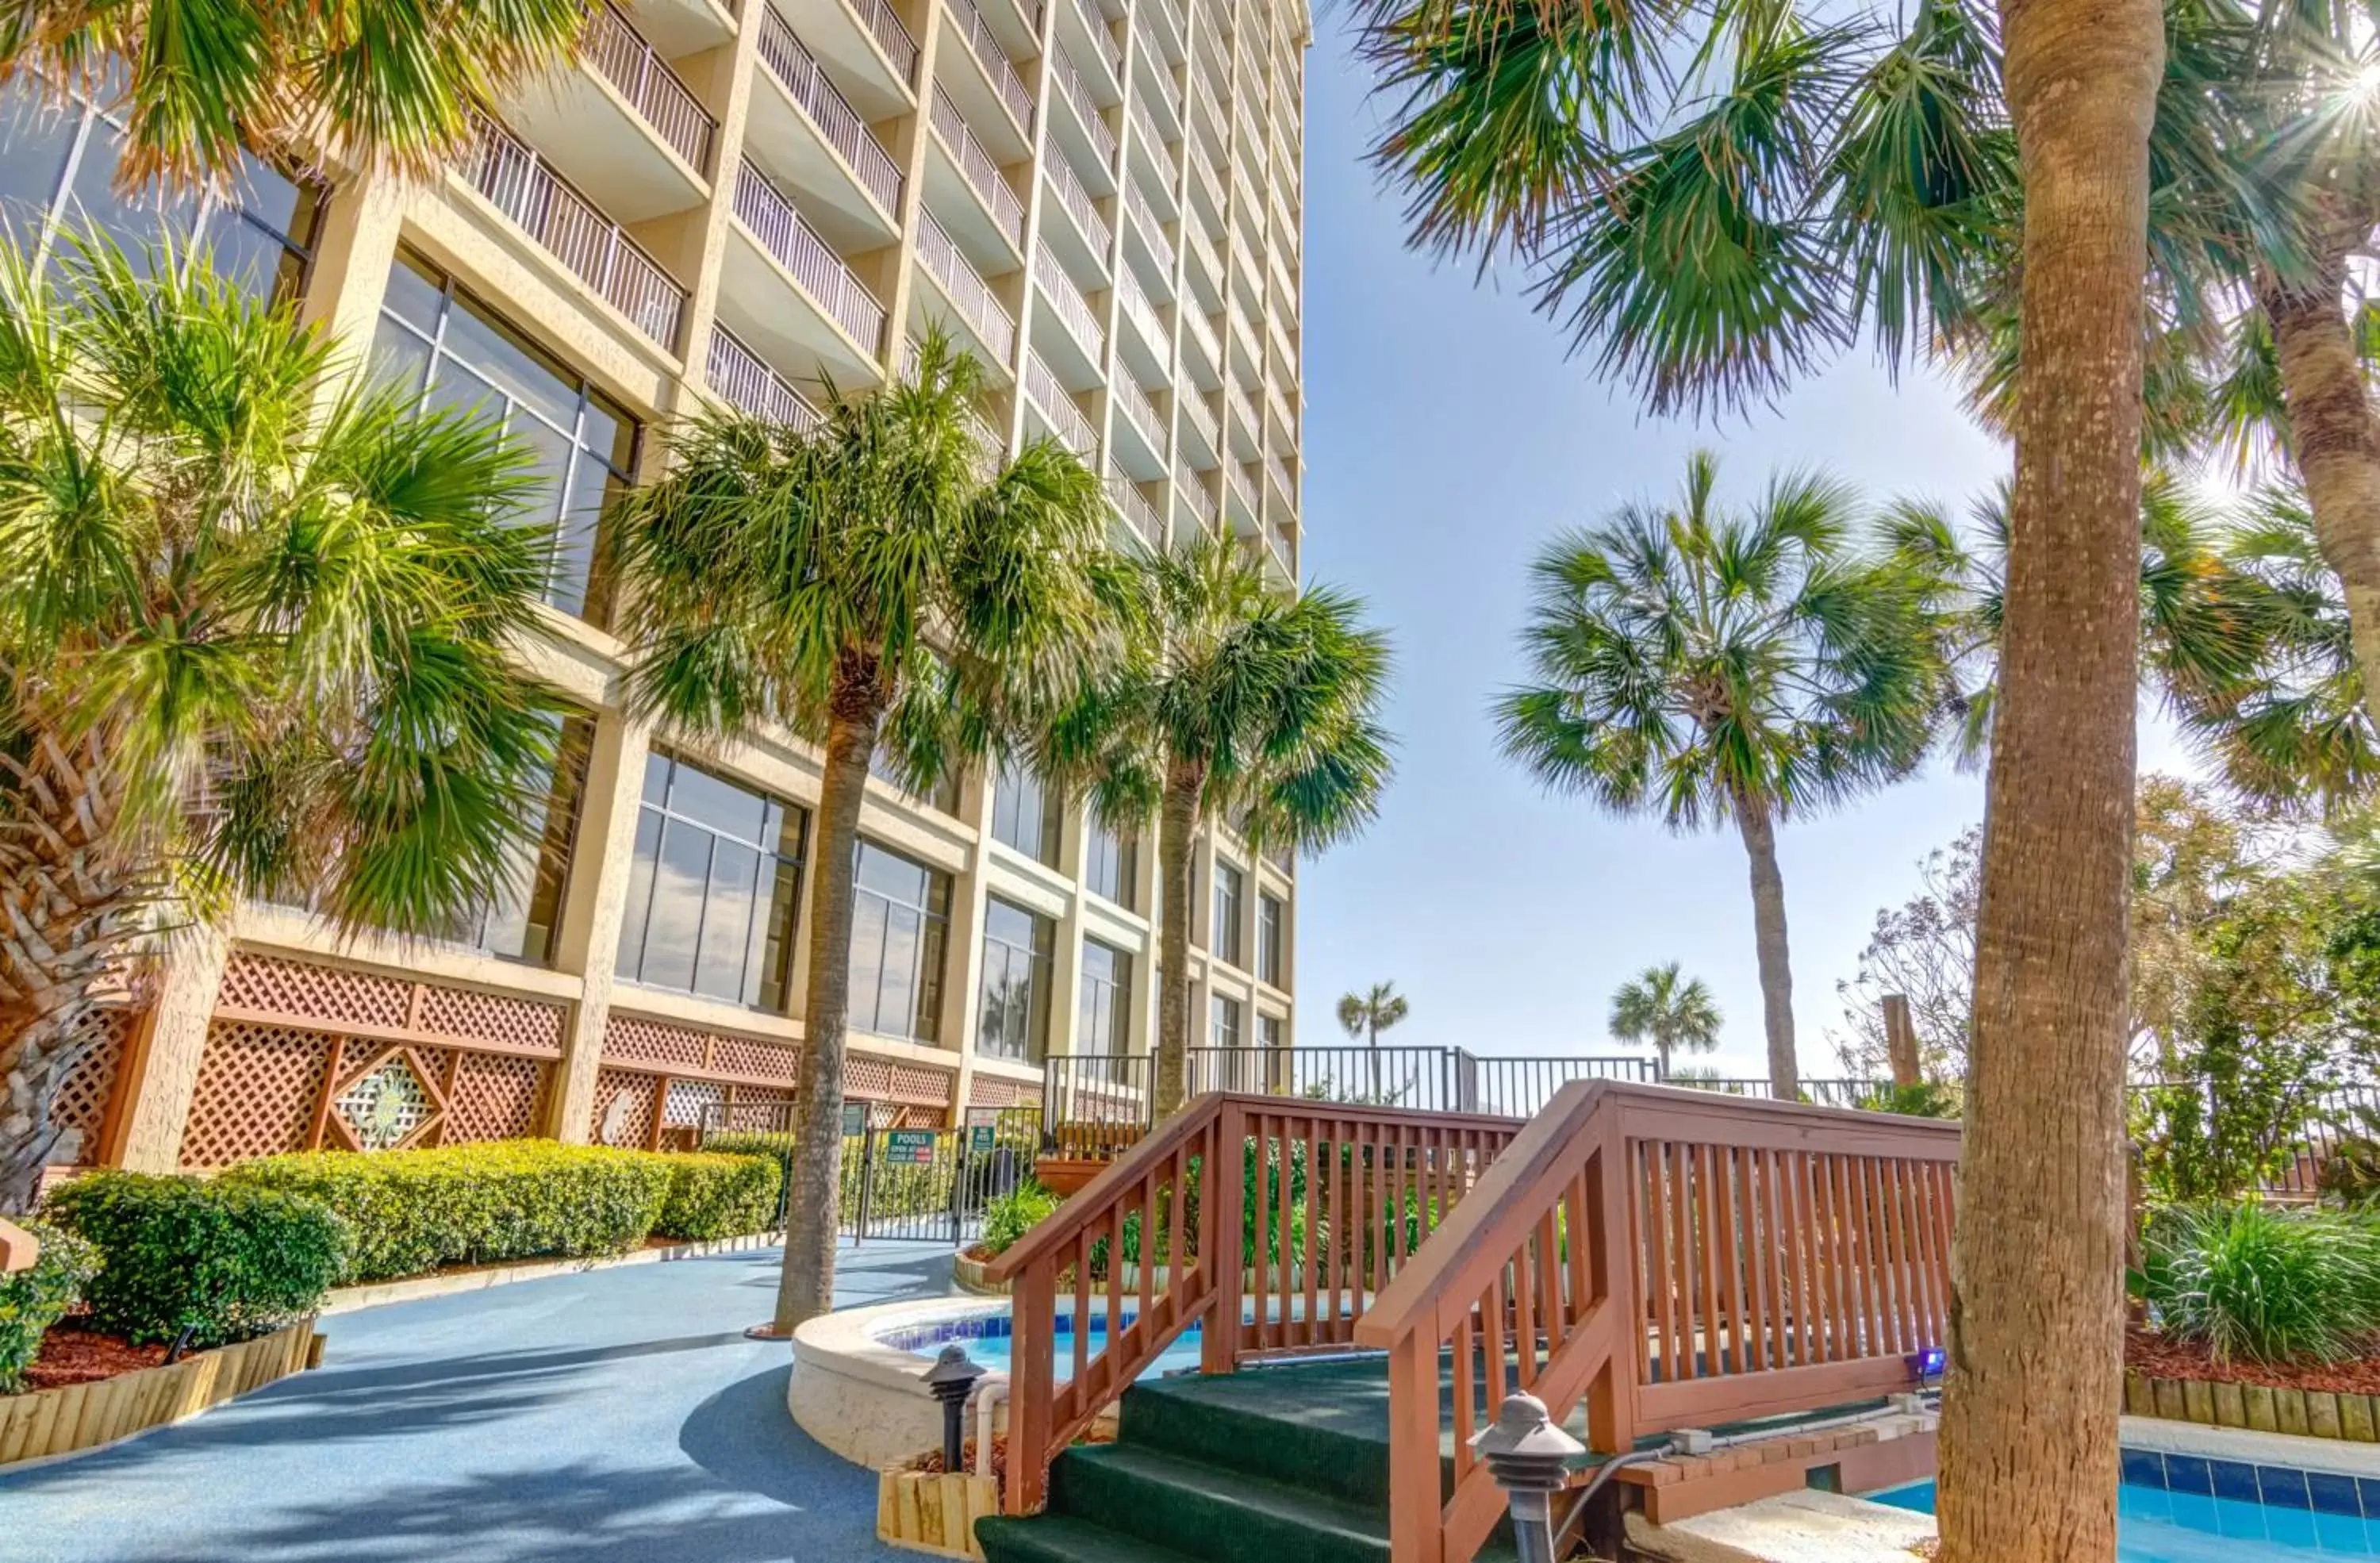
(1240,422)
(807,135)
(1205,270)
(1054,407)
(1283,489)
(624,129)
(1072,224)
(1283,421)
(1068,332)
(1147,345)
(737,376)
(985,81)
(1141,519)
(1190,488)
(1202,355)
(1083,31)
(971,302)
(1240,502)
(521,185)
(1082,131)
(1136,442)
(1201,439)
(1149,230)
(1153,75)
(789,295)
(865,48)
(965,184)
(1247,358)
(1165,16)
(1155,152)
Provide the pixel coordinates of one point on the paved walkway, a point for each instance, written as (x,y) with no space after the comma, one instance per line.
(617,1416)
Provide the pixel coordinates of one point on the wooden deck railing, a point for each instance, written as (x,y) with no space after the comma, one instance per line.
(1164,1239)
(1665,1258)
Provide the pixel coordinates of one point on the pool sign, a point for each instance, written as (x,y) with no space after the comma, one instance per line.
(909,1147)
(983,1138)
(855,1119)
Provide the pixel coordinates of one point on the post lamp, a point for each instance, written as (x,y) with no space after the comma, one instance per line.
(1529,1458)
(950,1381)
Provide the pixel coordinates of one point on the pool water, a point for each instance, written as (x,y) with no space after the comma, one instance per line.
(2163,1525)
(991,1351)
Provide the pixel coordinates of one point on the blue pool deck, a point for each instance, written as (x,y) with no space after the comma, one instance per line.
(613,1416)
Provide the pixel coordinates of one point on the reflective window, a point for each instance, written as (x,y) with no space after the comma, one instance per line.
(1024,814)
(57,175)
(436,339)
(1225,1015)
(1105,1022)
(1224,938)
(713,887)
(1013,1022)
(1269,921)
(521,923)
(1269,1031)
(1110,863)
(900,922)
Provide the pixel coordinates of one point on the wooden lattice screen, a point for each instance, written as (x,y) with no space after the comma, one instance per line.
(688,1075)
(82,1100)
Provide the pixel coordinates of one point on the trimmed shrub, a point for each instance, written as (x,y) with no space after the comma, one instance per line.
(2267,1284)
(777,1149)
(219,1260)
(31,1301)
(419,1210)
(1010,1216)
(713,1195)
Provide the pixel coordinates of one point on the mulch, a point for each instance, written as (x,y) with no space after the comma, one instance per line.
(2149,1352)
(931,1462)
(72,1355)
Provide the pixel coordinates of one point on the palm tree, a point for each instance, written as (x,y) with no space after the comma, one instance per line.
(1363,1016)
(1240,703)
(876,583)
(1713,668)
(387,87)
(250,644)
(1662,1006)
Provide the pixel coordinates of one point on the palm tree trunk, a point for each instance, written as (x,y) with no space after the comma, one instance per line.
(2028,1439)
(806,1288)
(2336,440)
(1177,822)
(67,911)
(1759,832)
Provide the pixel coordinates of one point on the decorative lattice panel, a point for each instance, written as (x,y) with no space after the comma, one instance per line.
(992,1091)
(635,1039)
(866,1076)
(919,1118)
(925,1087)
(496,1097)
(693,1101)
(385,1108)
(256,1092)
(328,996)
(624,1107)
(754,1060)
(759,1109)
(471,1016)
(81,1102)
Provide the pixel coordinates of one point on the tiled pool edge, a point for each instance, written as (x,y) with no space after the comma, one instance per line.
(2246,1446)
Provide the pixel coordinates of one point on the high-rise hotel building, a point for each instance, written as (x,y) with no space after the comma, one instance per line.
(726,202)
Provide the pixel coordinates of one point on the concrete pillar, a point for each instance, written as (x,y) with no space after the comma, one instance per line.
(590,926)
(963,959)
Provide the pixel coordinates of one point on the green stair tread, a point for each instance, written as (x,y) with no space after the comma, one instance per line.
(1162,1496)
(1063,1538)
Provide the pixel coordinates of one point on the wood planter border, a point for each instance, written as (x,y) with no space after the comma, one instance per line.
(43,1423)
(933,1512)
(2261,1407)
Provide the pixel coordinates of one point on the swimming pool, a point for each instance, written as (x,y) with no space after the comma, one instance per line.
(2183,1508)
(987,1340)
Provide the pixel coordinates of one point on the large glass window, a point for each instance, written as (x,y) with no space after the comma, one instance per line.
(1110,863)
(1225,1016)
(1224,937)
(711,894)
(1269,1031)
(900,922)
(437,339)
(58,174)
(522,921)
(1105,1024)
(1269,921)
(1014,1019)
(1024,814)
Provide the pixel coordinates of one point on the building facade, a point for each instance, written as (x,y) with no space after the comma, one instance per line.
(726,202)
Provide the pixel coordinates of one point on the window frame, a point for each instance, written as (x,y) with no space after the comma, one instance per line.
(927,969)
(771,870)
(1040,963)
(1223,931)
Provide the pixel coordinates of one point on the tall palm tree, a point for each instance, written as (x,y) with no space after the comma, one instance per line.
(372,84)
(1714,668)
(877,585)
(1363,1016)
(249,644)
(1668,1009)
(1238,702)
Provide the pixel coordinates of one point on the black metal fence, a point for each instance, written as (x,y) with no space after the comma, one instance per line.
(1839,1093)
(924,1185)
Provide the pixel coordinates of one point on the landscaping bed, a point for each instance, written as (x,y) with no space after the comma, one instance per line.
(70,1354)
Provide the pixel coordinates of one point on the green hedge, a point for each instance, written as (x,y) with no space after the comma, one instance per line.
(31,1301)
(223,1260)
(713,1195)
(420,1210)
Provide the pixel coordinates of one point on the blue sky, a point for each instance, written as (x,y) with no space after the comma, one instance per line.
(1447,437)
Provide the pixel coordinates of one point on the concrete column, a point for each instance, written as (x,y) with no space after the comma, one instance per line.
(352,257)
(605,858)
(1066,953)
(891,271)
(692,244)
(162,1073)
(962,958)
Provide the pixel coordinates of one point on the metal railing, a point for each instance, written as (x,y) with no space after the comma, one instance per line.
(985,44)
(1284,542)
(1155,142)
(524,187)
(792,63)
(1142,315)
(977,303)
(620,55)
(1071,88)
(1101,39)
(1152,229)
(1279,407)
(1068,300)
(1237,400)
(737,373)
(889,35)
(1201,416)
(1189,487)
(982,172)
(1139,412)
(1235,478)
(783,233)
(1059,407)
(1202,249)
(1079,205)
(1137,512)
(1279,473)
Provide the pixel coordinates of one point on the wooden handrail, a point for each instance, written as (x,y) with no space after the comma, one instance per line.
(1071,1219)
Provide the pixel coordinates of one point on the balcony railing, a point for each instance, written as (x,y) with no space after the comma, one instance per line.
(1140,413)
(798,69)
(1203,249)
(737,373)
(621,57)
(1068,300)
(1058,406)
(986,45)
(1279,473)
(891,36)
(977,303)
(1202,418)
(1244,488)
(1241,408)
(784,234)
(1279,405)
(982,172)
(1078,204)
(1101,39)
(1151,229)
(1144,316)
(1137,512)
(521,186)
(1284,542)
(1071,88)
(1191,490)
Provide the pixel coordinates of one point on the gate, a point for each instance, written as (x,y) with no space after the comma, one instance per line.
(930,1185)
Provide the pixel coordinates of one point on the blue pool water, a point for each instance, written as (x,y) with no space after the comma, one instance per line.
(987,1341)
(2157,1524)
